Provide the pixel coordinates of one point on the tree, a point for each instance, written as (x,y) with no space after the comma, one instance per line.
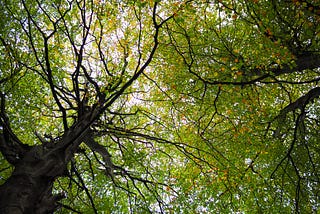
(159,106)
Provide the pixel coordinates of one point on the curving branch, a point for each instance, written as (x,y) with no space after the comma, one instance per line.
(301,102)
(10,145)
(96,147)
(308,61)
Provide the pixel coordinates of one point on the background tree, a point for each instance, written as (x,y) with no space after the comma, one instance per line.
(149,106)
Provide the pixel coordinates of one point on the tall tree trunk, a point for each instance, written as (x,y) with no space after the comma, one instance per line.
(29,188)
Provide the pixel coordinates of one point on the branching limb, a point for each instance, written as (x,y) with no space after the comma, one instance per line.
(10,145)
(95,146)
(302,101)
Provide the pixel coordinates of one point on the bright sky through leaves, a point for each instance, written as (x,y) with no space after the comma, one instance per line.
(159,106)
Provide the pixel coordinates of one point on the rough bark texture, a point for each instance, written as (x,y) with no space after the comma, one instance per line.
(28,193)
(29,188)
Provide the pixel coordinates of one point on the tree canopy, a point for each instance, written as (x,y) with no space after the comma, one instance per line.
(159,106)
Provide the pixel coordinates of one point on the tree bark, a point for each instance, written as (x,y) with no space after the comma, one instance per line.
(29,188)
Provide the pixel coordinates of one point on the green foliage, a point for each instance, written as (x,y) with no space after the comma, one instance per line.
(200,130)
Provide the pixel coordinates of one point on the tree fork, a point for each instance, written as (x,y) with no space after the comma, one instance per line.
(29,188)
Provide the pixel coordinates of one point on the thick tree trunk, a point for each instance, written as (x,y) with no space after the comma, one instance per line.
(29,189)
(26,194)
